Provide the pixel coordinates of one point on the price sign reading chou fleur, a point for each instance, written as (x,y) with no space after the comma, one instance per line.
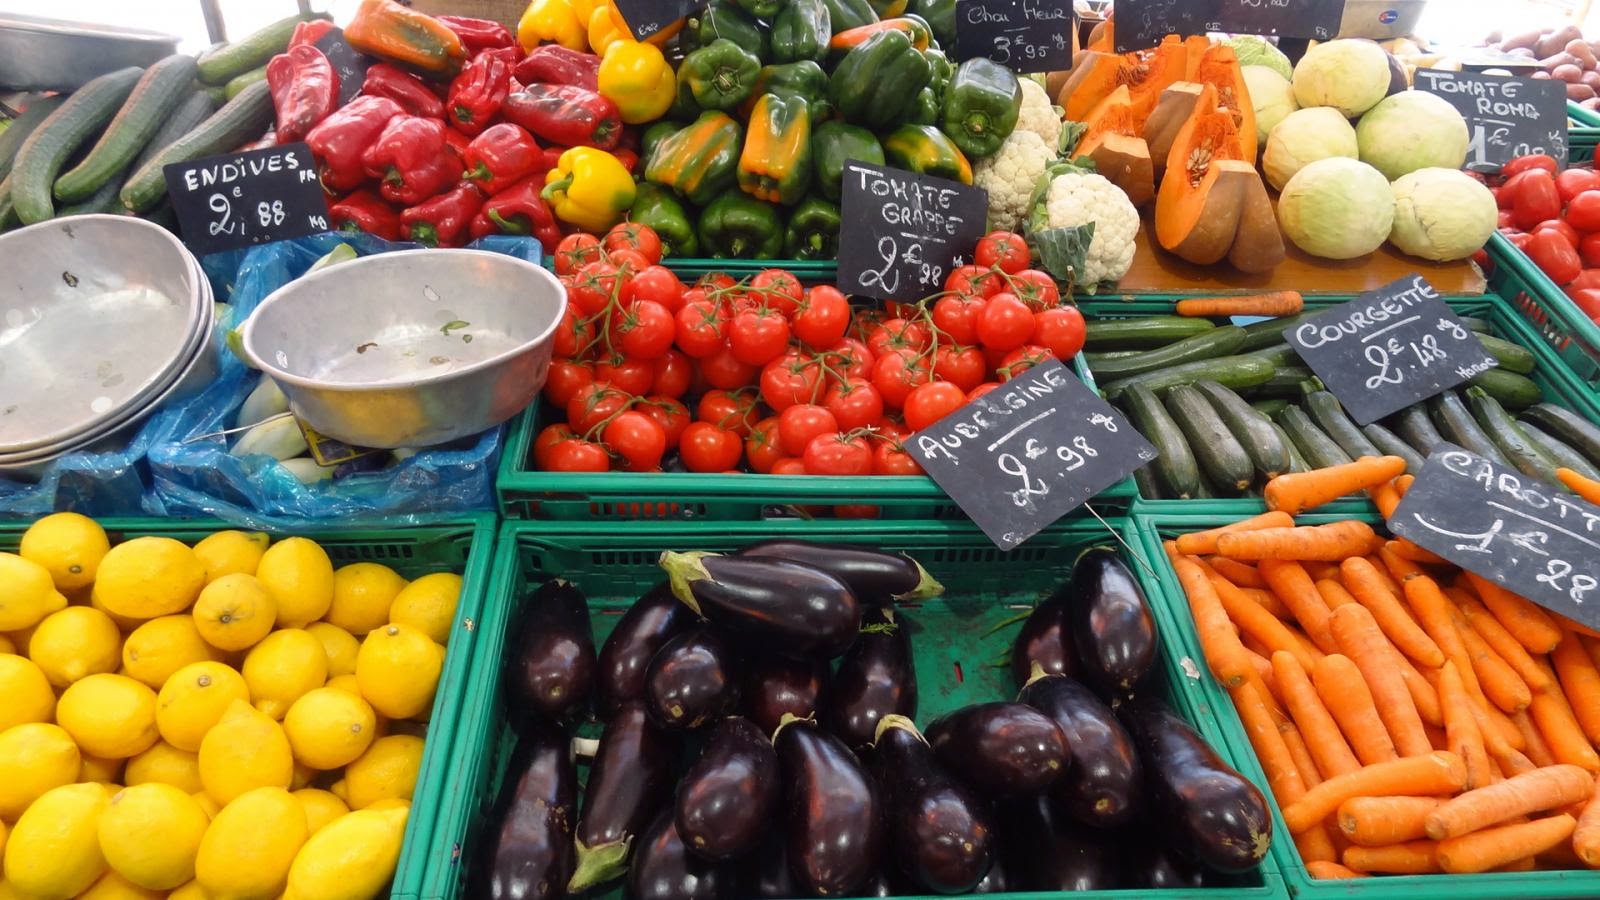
(226,202)
(1025,35)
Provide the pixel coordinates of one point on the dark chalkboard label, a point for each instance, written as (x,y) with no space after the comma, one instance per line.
(240,199)
(1029,452)
(1506,117)
(349,63)
(1495,522)
(903,233)
(1025,35)
(1389,348)
(646,17)
(1141,24)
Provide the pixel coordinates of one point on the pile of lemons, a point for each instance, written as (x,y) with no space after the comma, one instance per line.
(231,720)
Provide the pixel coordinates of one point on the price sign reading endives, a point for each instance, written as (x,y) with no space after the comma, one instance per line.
(242,199)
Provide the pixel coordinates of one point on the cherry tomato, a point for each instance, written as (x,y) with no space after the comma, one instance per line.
(798,424)
(573,333)
(897,374)
(1536,199)
(957,317)
(673,374)
(634,236)
(733,410)
(638,439)
(1006,323)
(850,358)
(644,330)
(854,403)
(897,334)
(1004,249)
(962,366)
(981,389)
(791,378)
(707,448)
(659,284)
(629,262)
(822,317)
(1035,288)
(672,416)
(593,404)
(635,376)
(1021,360)
(575,455)
(837,454)
(777,289)
(576,250)
(548,437)
(930,402)
(1583,213)
(762,448)
(1551,252)
(1587,300)
(1060,330)
(974,281)
(789,465)
(1589,250)
(702,328)
(1572,182)
(597,285)
(758,336)
(1567,232)
(1531,162)
(889,457)
(566,378)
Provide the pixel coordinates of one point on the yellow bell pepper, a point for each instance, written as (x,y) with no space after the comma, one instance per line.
(589,188)
(550,22)
(585,8)
(612,27)
(638,78)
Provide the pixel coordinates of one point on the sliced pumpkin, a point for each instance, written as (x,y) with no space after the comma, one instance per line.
(1258,246)
(1152,73)
(1102,36)
(1177,104)
(1219,67)
(1112,140)
(1204,190)
(1146,74)
(1195,48)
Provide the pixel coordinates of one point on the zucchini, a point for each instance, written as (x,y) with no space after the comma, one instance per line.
(1265,334)
(241,119)
(240,82)
(1249,427)
(157,94)
(1141,333)
(1513,357)
(1205,490)
(1390,444)
(1279,355)
(1318,449)
(1476,325)
(1297,463)
(1269,407)
(1208,345)
(1415,428)
(1569,427)
(1503,431)
(1517,392)
(1092,358)
(1285,382)
(11,139)
(189,114)
(1220,454)
(1230,371)
(1459,428)
(1331,419)
(219,64)
(1145,480)
(1175,467)
(1561,452)
(60,135)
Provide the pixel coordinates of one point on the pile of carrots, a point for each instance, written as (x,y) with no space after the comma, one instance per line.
(1410,717)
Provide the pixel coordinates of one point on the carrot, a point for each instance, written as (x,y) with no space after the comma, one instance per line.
(1296,492)
(1360,639)
(1389,581)
(1331,542)
(1224,654)
(1320,569)
(1537,748)
(1294,587)
(1321,869)
(1434,611)
(1504,643)
(1531,626)
(1200,543)
(1242,574)
(1333,594)
(1385,498)
(1495,847)
(1261,725)
(1344,693)
(1525,864)
(1360,577)
(1412,553)
(1398,567)
(1570,625)
(1410,858)
(1561,732)
(1378,821)
(1580,681)
(1271,303)
(1550,787)
(1301,754)
(1438,772)
(1586,837)
(1332,754)
(1265,599)
(1461,727)
(1257,622)
(1500,683)
(1424,696)
(1587,488)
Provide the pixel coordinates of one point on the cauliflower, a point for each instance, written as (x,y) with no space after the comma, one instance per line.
(1009,177)
(1077,198)
(1038,115)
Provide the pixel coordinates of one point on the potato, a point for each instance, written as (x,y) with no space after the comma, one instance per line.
(1591,103)
(1527,39)
(1553,42)
(1579,92)
(1568,72)
(1549,63)
(1523,52)
(1581,51)
(1494,37)
(1592,79)
(1540,75)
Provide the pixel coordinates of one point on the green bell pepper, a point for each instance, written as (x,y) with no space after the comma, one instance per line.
(722,19)
(832,144)
(657,207)
(926,109)
(943,70)
(804,79)
(654,134)
(813,231)
(878,80)
(684,108)
(738,226)
(940,16)
(801,31)
(926,150)
(761,9)
(721,74)
(776,163)
(844,15)
(981,106)
(700,160)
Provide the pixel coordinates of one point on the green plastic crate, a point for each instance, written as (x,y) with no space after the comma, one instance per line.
(1216,711)
(1548,310)
(957,638)
(1580,144)
(1581,118)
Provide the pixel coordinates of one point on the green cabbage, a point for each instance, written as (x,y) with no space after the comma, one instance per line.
(1337,208)
(1412,130)
(1305,136)
(1442,214)
(1271,95)
(1348,74)
(1254,50)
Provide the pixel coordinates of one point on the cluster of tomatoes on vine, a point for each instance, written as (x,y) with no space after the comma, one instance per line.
(770,376)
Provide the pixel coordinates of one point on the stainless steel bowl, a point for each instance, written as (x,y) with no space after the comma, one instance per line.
(409,349)
(38,54)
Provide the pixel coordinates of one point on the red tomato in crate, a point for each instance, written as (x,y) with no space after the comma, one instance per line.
(1004,249)
(800,423)
(706,448)
(1587,300)
(1583,213)
(659,284)
(1534,199)
(1567,232)
(957,317)
(823,317)
(1061,331)
(791,378)
(837,454)
(634,236)
(735,411)
(762,447)
(1006,323)
(638,439)
(575,251)
(1531,162)
(671,415)
(1572,182)
(1551,253)
(855,403)
(930,402)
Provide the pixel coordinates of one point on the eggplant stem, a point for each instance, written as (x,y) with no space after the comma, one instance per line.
(896,721)
(1012,620)
(927,586)
(683,570)
(599,864)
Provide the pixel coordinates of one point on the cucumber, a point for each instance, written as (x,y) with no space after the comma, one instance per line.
(1175,467)
(219,64)
(8,210)
(1503,431)
(1220,454)
(241,119)
(60,135)
(1569,427)
(1208,345)
(189,114)
(1269,407)
(1476,325)
(106,200)
(1230,371)
(1563,453)
(1265,334)
(1513,357)
(158,93)
(240,82)
(1415,428)
(1514,391)
(1249,427)
(1285,382)
(217,93)
(1390,444)
(1331,419)
(1092,358)
(1279,355)
(1141,333)
(1297,463)
(1459,428)
(1318,449)
(11,139)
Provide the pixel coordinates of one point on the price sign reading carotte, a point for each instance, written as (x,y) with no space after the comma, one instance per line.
(1496,523)
(1389,348)
(1506,117)
(646,17)
(225,202)
(348,63)
(903,233)
(1029,452)
(1024,35)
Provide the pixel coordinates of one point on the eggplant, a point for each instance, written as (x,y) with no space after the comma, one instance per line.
(775,686)
(790,608)
(629,782)
(727,797)
(1103,783)
(1112,629)
(1006,749)
(769,874)
(1151,864)
(1211,812)
(1044,640)
(692,680)
(874,576)
(833,815)
(940,833)
(878,884)
(875,678)
(531,856)
(550,672)
(1052,854)
(649,623)
(664,869)
(997,881)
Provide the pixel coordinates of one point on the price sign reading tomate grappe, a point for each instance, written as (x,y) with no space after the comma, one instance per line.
(903,233)
(225,202)
(1389,348)
(646,17)
(1501,525)
(1029,452)
(348,63)
(1506,117)
(1024,35)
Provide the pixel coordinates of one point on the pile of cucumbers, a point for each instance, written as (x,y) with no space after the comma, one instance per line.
(1230,407)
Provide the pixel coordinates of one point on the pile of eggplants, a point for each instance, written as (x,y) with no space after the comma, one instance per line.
(759,741)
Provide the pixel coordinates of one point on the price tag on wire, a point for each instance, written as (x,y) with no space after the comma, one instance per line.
(242,199)
(904,233)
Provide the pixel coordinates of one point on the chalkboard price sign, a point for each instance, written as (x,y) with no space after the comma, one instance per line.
(1141,24)
(1024,35)
(903,233)
(646,17)
(1506,117)
(1495,522)
(1029,452)
(349,63)
(1389,348)
(226,202)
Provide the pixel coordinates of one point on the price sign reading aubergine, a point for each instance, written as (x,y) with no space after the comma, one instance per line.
(903,233)
(1029,452)
(1023,35)
(1389,348)
(241,199)
(1496,523)
(1141,24)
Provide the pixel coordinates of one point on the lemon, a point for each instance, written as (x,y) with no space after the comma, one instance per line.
(302,777)
(345,683)
(243,751)
(429,604)
(29,594)
(165,764)
(150,834)
(99,770)
(6,644)
(207,803)
(320,807)
(162,646)
(124,623)
(112,886)
(284,666)
(234,612)
(353,856)
(398,669)
(190,891)
(69,545)
(340,646)
(299,576)
(149,577)
(231,553)
(247,851)
(74,643)
(54,849)
(362,595)
(109,715)
(34,757)
(26,690)
(387,770)
(328,728)
(194,699)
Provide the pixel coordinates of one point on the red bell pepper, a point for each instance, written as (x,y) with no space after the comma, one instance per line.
(628,158)
(340,140)
(478,93)
(508,55)
(308,33)
(365,211)
(443,220)
(566,114)
(404,88)
(555,64)
(478,34)
(501,156)
(519,210)
(305,89)
(412,159)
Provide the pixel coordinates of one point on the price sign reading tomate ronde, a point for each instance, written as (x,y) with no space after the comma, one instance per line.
(903,233)
(1506,117)
(1023,35)
(226,202)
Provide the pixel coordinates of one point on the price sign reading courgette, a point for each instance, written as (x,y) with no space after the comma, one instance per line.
(1506,117)
(1023,35)
(226,202)
(903,233)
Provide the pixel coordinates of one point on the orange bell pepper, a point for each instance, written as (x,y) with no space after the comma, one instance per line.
(386,29)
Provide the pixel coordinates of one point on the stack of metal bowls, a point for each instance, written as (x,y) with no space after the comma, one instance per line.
(103,319)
